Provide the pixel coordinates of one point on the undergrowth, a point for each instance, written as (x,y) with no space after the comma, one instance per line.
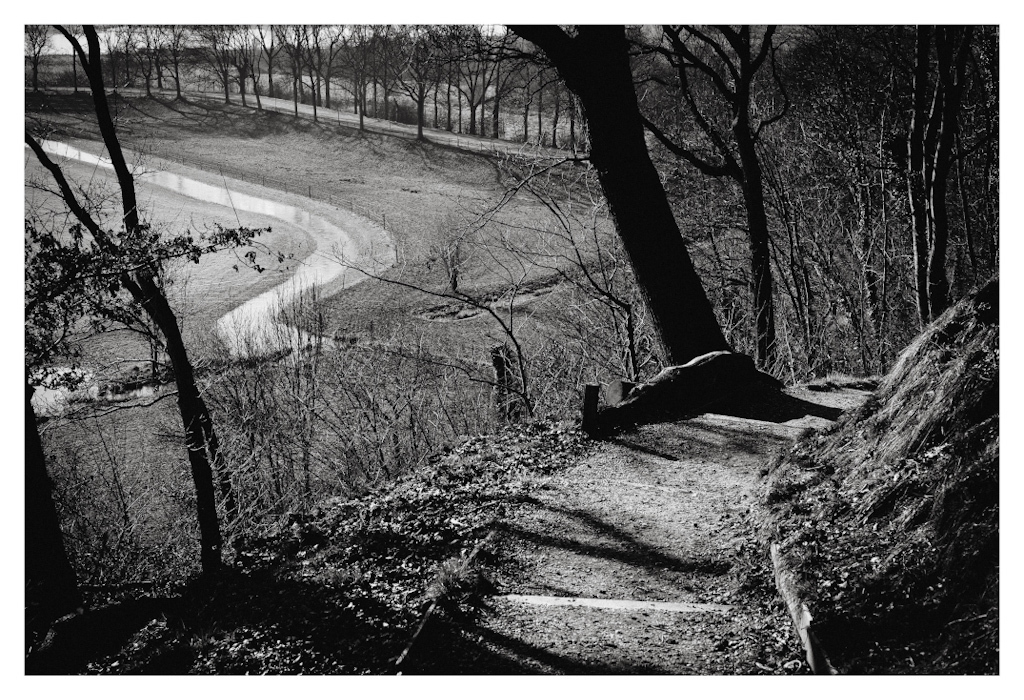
(891,518)
(343,588)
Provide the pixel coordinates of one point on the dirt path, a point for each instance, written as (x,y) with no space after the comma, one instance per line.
(650,528)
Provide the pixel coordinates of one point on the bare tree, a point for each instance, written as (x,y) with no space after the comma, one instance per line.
(331,46)
(148,53)
(312,61)
(387,63)
(37,36)
(728,61)
(475,69)
(420,73)
(116,40)
(179,40)
(290,37)
(244,56)
(214,44)
(507,70)
(356,58)
(271,48)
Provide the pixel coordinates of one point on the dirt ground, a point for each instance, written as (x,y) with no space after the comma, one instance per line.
(655,516)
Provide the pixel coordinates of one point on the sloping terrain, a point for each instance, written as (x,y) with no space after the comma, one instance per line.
(891,520)
(650,533)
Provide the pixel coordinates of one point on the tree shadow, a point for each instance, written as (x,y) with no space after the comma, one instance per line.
(757,401)
(230,621)
(628,549)
(459,649)
(766,403)
(675,439)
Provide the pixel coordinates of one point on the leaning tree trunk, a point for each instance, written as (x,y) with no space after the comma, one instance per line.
(51,589)
(953,47)
(143,288)
(595,66)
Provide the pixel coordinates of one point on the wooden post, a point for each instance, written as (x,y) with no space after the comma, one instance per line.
(616,391)
(785,582)
(590,394)
(501,360)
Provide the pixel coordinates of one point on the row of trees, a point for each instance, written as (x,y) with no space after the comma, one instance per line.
(463,78)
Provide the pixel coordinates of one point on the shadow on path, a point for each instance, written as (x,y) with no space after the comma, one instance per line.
(480,650)
(761,402)
(629,550)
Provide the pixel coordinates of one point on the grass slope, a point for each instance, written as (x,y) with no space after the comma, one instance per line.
(418,191)
(891,519)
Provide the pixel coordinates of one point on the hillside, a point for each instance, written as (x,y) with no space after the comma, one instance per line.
(890,520)
(428,197)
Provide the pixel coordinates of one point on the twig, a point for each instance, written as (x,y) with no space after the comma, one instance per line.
(433,606)
(116,586)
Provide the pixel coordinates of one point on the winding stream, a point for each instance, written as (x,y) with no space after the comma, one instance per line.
(252,328)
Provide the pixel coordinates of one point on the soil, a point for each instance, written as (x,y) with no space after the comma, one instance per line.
(657,515)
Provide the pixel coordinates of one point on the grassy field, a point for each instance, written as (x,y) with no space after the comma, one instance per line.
(418,191)
(201,293)
(414,374)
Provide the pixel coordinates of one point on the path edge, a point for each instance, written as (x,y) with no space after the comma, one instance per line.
(785,582)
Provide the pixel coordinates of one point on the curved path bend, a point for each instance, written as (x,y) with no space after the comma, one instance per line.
(347,248)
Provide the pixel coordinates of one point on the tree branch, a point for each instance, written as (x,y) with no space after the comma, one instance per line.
(704,166)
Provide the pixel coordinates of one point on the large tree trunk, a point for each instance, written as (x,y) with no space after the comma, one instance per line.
(315,87)
(526,122)
(540,116)
(953,47)
(361,99)
(437,87)
(595,66)
(448,100)
(51,589)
